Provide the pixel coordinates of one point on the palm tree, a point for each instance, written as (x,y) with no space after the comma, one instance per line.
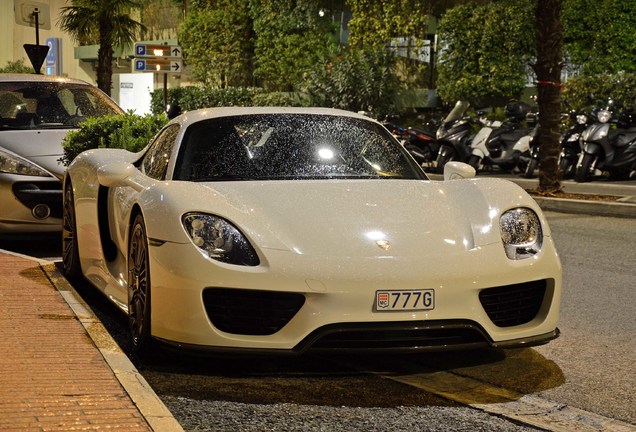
(106,21)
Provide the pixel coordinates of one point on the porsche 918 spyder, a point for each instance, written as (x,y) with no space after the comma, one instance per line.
(285,230)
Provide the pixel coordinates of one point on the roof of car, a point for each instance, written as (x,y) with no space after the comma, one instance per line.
(12,77)
(206,113)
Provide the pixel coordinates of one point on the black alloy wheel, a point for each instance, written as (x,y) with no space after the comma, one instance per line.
(70,254)
(139,286)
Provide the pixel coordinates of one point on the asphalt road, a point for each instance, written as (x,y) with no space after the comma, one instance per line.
(589,369)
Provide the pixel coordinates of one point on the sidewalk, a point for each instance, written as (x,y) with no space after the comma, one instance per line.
(59,368)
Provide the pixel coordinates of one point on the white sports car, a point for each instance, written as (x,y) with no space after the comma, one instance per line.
(287,230)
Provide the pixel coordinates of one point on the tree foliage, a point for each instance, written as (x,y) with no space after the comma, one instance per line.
(218,43)
(584,90)
(599,35)
(360,79)
(291,37)
(485,50)
(107,21)
(374,23)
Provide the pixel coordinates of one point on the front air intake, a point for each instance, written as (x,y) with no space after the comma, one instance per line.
(250,312)
(513,305)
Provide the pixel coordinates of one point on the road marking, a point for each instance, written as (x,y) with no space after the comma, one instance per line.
(528,409)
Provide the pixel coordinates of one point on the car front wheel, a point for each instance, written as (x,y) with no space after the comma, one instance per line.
(70,254)
(139,286)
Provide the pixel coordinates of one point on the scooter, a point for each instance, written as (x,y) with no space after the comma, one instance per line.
(606,149)
(507,146)
(453,136)
(570,143)
(422,145)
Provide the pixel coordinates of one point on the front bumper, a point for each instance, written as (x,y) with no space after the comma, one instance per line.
(339,296)
(30,204)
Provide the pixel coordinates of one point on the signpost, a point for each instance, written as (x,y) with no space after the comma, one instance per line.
(34,14)
(158,58)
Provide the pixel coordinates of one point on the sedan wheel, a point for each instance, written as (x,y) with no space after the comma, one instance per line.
(70,254)
(139,286)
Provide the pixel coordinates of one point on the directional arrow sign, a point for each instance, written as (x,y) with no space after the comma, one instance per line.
(157,65)
(157,51)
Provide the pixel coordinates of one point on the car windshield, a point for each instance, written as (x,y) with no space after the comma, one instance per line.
(50,105)
(291,146)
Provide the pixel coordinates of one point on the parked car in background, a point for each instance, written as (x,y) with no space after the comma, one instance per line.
(36,113)
(288,230)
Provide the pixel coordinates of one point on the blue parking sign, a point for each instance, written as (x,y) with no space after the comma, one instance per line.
(140,50)
(140,65)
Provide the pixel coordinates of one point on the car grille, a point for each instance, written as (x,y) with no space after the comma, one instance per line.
(396,337)
(33,193)
(250,312)
(513,305)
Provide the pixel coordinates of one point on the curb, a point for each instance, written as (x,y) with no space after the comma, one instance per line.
(143,396)
(591,208)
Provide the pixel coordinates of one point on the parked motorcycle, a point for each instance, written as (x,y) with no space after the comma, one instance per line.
(453,136)
(570,143)
(506,146)
(607,149)
(422,145)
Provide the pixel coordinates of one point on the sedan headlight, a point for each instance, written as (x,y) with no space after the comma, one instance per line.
(219,239)
(12,164)
(521,233)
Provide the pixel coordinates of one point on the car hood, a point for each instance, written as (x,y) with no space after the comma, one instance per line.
(358,218)
(42,147)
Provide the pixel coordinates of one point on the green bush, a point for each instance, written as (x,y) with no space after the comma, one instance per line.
(17,66)
(290,99)
(621,87)
(193,97)
(127,131)
(359,80)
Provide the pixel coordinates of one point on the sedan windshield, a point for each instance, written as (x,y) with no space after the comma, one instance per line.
(50,105)
(291,146)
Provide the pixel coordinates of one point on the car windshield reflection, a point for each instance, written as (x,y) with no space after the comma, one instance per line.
(45,105)
(291,146)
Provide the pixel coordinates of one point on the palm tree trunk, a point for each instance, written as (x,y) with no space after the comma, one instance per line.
(548,70)
(105,57)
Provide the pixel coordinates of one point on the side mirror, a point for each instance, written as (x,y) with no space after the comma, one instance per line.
(458,170)
(117,174)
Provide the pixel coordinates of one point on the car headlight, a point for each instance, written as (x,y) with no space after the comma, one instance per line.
(12,164)
(219,239)
(521,233)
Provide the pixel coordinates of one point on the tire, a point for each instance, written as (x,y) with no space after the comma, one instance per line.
(531,168)
(139,311)
(70,254)
(474,161)
(442,159)
(582,173)
(565,166)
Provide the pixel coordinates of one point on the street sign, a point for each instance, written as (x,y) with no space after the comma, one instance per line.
(155,50)
(54,57)
(157,65)
(37,54)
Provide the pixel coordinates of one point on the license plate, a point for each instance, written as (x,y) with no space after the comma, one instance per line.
(405,300)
